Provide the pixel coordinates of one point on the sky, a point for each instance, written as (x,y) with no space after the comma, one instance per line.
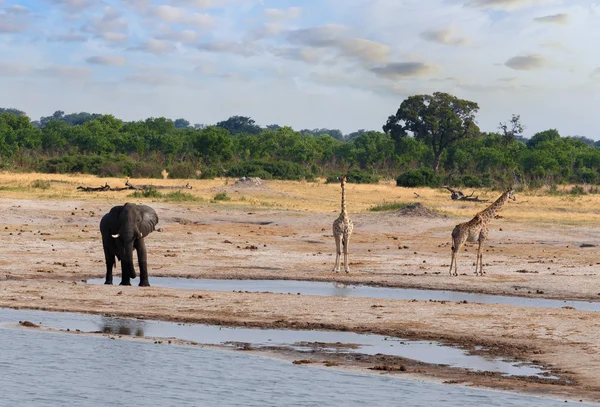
(344,64)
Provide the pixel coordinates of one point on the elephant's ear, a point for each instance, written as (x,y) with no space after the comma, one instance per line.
(149,220)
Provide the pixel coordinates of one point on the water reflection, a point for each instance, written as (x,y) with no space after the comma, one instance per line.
(40,369)
(425,351)
(118,326)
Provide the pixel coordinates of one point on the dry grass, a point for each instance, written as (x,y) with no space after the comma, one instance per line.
(534,206)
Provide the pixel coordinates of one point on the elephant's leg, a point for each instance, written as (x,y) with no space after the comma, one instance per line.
(140,247)
(109,257)
(127,270)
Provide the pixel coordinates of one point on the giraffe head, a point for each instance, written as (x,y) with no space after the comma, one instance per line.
(342,180)
(511,194)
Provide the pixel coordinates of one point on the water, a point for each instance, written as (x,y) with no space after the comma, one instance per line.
(430,352)
(360,291)
(41,369)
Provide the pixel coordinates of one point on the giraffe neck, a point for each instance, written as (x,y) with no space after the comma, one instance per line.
(344,213)
(490,212)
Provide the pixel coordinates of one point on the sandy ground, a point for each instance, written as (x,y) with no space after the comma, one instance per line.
(52,242)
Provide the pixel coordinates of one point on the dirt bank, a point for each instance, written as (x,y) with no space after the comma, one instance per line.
(51,244)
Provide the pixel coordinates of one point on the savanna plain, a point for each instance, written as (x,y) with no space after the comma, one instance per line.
(541,246)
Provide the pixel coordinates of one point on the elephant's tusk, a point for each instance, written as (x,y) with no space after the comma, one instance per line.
(115,236)
(141,235)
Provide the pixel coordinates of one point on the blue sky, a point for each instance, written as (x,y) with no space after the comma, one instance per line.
(344,64)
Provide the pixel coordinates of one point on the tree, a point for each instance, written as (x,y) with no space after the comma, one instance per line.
(12,110)
(438,120)
(181,124)
(58,115)
(511,130)
(240,124)
(335,133)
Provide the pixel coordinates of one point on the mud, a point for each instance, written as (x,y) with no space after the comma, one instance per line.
(51,245)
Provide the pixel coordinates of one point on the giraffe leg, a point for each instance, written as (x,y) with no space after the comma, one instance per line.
(345,241)
(338,252)
(482,239)
(456,245)
(453,259)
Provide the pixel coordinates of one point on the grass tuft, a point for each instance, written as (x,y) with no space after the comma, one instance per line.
(149,192)
(222,196)
(40,184)
(388,206)
(179,196)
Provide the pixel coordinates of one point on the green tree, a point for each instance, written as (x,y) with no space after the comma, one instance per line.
(511,130)
(439,120)
(240,124)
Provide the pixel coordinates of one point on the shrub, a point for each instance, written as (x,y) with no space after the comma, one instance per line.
(270,170)
(419,177)
(388,206)
(577,190)
(40,184)
(182,170)
(179,196)
(149,192)
(470,181)
(147,170)
(222,196)
(355,176)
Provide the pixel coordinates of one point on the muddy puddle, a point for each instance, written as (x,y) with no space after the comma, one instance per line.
(360,291)
(253,338)
(39,369)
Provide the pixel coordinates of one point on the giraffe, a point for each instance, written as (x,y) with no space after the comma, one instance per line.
(342,229)
(476,230)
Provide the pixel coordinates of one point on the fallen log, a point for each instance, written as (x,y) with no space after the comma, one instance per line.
(146,186)
(105,187)
(458,195)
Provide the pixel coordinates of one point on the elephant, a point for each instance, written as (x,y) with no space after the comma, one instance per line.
(123,229)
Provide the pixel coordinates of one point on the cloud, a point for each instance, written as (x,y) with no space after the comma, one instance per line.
(335,37)
(114,36)
(14,19)
(506,4)
(13,69)
(228,47)
(278,14)
(156,47)
(110,25)
(401,70)
(65,71)
(18,9)
(107,60)
(304,54)
(203,4)
(184,36)
(595,74)
(526,63)
(182,16)
(71,36)
(446,36)
(561,18)
(156,79)
(74,5)
(266,30)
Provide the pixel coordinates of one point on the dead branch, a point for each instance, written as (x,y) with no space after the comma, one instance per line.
(458,195)
(105,187)
(146,186)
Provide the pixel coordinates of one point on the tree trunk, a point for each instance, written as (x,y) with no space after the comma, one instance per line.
(436,164)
